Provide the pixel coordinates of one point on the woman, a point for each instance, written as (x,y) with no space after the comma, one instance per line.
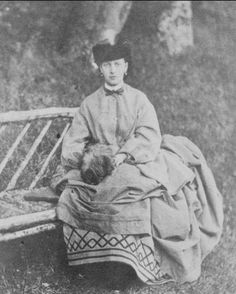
(159,211)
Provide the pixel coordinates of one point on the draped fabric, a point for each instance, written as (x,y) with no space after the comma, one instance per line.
(169,194)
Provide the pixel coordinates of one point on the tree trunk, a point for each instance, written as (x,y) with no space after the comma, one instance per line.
(175,27)
(115,14)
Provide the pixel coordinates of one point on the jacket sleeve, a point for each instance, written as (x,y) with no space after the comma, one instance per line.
(75,140)
(143,145)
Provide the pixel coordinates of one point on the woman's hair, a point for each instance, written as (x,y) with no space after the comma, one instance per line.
(97,163)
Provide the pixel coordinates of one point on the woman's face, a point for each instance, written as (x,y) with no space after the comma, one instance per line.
(113,71)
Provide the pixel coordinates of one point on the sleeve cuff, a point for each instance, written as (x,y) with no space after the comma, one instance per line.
(129,158)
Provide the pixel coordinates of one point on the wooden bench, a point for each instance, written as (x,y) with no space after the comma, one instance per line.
(29,154)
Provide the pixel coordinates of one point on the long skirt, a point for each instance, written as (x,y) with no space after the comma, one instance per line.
(131,219)
(86,247)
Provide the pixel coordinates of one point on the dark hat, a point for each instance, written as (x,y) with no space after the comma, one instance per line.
(104,51)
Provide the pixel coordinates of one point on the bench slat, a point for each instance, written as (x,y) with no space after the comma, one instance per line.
(28,232)
(14,223)
(14,179)
(13,147)
(2,129)
(29,217)
(41,172)
(53,112)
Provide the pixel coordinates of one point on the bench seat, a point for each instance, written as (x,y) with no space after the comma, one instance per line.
(29,154)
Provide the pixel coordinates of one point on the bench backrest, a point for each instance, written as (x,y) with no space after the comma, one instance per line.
(23,132)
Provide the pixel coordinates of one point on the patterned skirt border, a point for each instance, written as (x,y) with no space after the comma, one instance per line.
(84,247)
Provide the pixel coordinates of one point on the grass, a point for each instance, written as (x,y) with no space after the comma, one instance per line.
(194,96)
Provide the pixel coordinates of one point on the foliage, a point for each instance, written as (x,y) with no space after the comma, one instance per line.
(42,63)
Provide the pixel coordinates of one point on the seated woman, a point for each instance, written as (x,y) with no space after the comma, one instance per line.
(158,209)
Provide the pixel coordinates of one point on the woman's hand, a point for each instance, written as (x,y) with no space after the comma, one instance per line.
(119,158)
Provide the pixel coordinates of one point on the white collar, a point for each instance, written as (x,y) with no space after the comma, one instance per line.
(115,88)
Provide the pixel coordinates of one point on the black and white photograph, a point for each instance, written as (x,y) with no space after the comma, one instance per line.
(118,147)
